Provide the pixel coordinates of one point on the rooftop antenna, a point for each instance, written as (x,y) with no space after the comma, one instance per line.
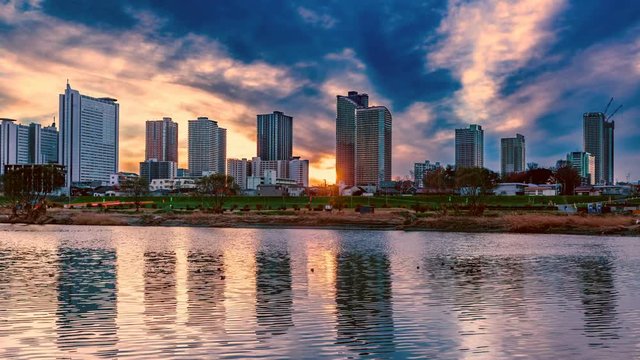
(54,121)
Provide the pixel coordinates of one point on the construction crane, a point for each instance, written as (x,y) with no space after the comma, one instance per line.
(609,104)
(613,113)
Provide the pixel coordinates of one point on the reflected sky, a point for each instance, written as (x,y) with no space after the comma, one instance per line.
(74,292)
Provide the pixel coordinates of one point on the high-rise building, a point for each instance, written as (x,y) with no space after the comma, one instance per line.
(239,169)
(299,171)
(585,164)
(373,146)
(49,144)
(275,136)
(512,155)
(470,147)
(207,147)
(22,144)
(598,141)
(153,169)
(162,140)
(23,153)
(8,135)
(346,135)
(421,169)
(88,138)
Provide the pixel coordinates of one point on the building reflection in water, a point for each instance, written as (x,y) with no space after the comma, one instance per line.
(364,301)
(160,293)
(599,298)
(274,298)
(205,283)
(86,314)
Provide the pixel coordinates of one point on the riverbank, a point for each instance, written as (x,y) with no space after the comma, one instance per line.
(383,219)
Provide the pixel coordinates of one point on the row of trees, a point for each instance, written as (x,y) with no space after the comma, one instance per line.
(216,186)
(479,181)
(26,187)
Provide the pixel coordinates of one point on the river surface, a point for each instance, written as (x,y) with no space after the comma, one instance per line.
(110,292)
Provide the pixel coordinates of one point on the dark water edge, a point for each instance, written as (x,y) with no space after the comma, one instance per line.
(106,292)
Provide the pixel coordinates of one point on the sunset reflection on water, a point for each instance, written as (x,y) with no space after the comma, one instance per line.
(107,292)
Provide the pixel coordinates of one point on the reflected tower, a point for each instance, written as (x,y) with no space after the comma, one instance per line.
(274,300)
(87,309)
(363,300)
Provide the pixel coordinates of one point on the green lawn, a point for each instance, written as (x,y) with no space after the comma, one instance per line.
(185,202)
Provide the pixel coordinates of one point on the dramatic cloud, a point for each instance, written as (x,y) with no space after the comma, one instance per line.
(527,66)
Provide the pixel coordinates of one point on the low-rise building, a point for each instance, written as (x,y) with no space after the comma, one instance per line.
(510,189)
(543,190)
(120,178)
(176,184)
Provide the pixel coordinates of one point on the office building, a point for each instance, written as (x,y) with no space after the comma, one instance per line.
(373,146)
(207,147)
(239,169)
(422,169)
(275,136)
(88,138)
(22,144)
(49,144)
(598,141)
(585,164)
(512,155)
(299,171)
(162,140)
(346,135)
(470,147)
(183,173)
(154,169)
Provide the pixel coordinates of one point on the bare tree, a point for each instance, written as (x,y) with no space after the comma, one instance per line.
(27,187)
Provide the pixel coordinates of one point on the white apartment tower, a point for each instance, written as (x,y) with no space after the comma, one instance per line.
(88,138)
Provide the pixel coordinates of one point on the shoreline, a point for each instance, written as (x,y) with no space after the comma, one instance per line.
(390,219)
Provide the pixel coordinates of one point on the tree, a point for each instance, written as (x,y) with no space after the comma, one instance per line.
(539,176)
(27,188)
(219,186)
(137,187)
(569,178)
(477,182)
(441,179)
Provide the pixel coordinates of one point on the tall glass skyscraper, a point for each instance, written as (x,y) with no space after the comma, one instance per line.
(162,140)
(207,147)
(373,146)
(88,139)
(275,136)
(22,144)
(512,155)
(470,147)
(346,135)
(598,141)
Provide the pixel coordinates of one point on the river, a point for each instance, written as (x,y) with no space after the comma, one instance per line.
(106,292)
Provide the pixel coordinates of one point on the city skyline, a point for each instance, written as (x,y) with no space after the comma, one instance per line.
(430,81)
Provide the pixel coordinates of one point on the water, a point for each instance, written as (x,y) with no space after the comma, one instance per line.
(107,292)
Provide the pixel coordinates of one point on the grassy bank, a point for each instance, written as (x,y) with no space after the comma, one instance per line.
(430,201)
(389,219)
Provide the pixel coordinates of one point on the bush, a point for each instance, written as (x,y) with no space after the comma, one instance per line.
(246,208)
(259,207)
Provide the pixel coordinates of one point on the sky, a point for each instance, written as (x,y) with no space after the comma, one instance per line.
(523,66)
